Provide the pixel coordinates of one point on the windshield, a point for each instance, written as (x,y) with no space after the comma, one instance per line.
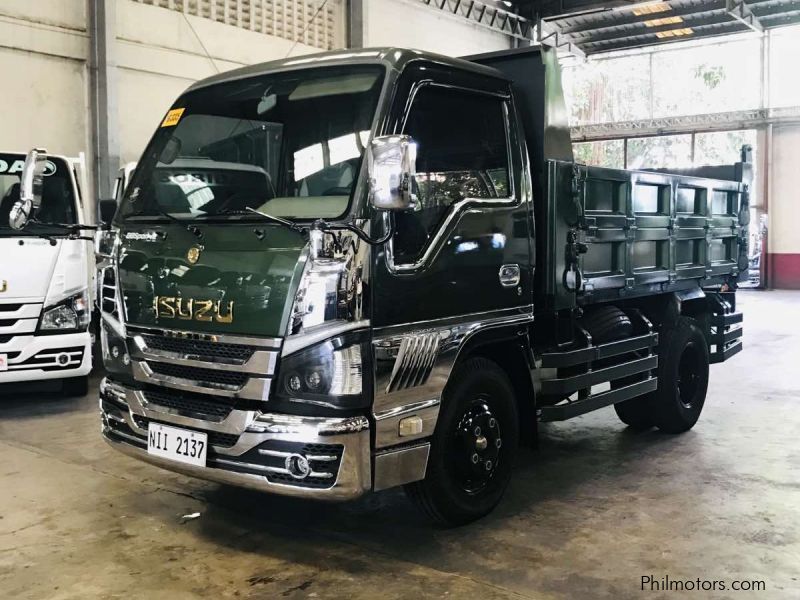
(289,144)
(58,199)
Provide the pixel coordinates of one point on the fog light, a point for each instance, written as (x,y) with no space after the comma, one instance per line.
(62,359)
(126,360)
(115,351)
(298,466)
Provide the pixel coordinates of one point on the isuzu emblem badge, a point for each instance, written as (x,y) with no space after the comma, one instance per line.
(193,255)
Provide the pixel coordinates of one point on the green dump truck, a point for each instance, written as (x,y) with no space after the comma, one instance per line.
(347,272)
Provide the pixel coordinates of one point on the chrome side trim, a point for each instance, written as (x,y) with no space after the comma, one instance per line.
(436,241)
(414,361)
(400,411)
(393,403)
(397,467)
(224,338)
(261,362)
(254,389)
(485,317)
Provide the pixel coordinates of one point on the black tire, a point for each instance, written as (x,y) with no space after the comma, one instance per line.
(606,324)
(682,377)
(635,413)
(478,409)
(75,386)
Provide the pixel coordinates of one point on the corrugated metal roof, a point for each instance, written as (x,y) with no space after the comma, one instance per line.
(595,27)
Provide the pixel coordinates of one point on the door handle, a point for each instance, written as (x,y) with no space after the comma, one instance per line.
(509,275)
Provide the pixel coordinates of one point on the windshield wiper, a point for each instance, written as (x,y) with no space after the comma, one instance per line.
(252,211)
(193,229)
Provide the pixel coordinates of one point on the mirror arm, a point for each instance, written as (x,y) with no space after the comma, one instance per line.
(360,233)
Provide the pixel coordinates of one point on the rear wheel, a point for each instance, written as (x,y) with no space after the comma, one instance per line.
(635,413)
(75,386)
(472,448)
(682,377)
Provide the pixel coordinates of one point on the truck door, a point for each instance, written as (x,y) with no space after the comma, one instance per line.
(465,248)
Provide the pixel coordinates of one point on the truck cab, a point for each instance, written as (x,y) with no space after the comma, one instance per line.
(45,283)
(343,273)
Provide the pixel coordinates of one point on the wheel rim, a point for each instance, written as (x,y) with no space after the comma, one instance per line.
(476,445)
(689,374)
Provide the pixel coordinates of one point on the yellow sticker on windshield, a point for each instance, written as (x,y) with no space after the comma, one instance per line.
(173,117)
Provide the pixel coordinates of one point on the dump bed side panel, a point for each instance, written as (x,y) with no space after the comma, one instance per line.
(638,232)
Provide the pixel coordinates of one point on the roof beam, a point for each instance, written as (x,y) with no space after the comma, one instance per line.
(623,43)
(620,19)
(548,34)
(644,31)
(740,11)
(480,12)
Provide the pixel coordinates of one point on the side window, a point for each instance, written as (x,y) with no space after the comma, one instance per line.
(462,153)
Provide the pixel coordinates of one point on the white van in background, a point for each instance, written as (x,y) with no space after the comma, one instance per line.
(46,283)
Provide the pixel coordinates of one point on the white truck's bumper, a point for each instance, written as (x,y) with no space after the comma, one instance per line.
(42,357)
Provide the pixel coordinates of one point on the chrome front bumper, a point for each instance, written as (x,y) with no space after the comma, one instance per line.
(255,458)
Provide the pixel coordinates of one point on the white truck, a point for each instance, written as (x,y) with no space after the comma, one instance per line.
(46,280)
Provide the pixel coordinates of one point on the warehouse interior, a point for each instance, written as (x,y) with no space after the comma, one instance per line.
(594,509)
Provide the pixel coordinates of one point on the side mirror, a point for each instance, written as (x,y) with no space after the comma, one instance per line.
(392,167)
(106,209)
(30,190)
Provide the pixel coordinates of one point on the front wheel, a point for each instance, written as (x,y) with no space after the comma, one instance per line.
(682,377)
(472,449)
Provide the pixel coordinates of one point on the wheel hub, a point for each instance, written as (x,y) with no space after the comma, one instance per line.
(476,446)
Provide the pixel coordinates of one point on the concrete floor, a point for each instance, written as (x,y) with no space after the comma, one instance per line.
(588,514)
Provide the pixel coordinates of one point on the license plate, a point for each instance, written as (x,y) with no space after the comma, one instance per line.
(180,445)
(3,362)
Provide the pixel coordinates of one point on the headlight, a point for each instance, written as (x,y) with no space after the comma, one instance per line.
(72,314)
(115,352)
(329,374)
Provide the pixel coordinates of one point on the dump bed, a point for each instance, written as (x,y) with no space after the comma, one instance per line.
(604,234)
(625,233)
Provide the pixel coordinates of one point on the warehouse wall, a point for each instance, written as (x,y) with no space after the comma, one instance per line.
(783,258)
(43,52)
(412,24)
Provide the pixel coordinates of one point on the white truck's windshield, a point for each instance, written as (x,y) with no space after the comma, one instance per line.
(58,196)
(289,144)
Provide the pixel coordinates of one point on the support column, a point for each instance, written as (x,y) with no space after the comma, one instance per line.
(104,115)
(356,24)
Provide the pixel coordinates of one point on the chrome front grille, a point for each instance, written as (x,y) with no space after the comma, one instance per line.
(203,363)
(228,380)
(192,405)
(201,350)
